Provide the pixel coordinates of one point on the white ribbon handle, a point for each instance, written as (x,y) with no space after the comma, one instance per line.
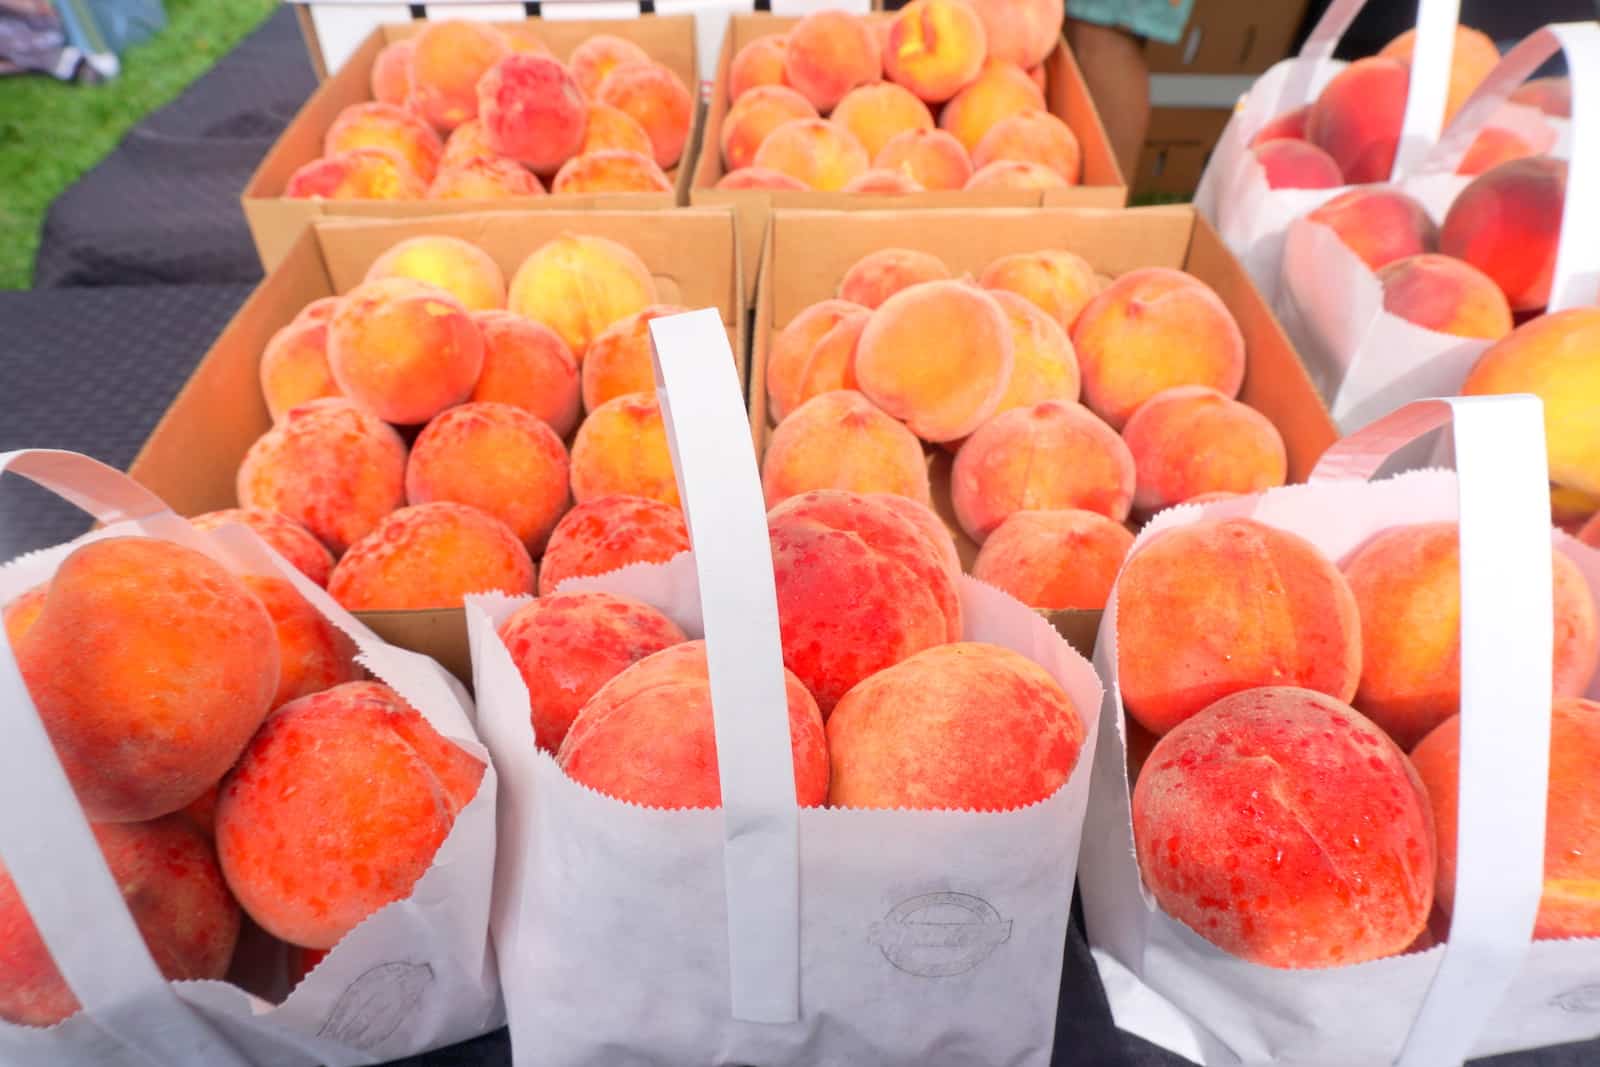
(1506,651)
(703,408)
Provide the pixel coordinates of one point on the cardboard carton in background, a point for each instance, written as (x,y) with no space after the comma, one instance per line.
(1229,37)
(192,458)
(1176,147)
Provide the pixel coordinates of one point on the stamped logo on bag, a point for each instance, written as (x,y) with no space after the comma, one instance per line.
(369,1012)
(1584,1000)
(937,935)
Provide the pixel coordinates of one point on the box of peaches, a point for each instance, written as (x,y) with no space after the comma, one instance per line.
(446,116)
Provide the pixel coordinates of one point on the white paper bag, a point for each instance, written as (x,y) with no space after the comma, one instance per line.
(1367,361)
(759,933)
(416,975)
(1485,990)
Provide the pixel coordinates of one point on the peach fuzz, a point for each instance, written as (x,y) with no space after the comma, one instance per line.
(1297,165)
(1507,223)
(927,523)
(1057,282)
(656,98)
(1261,607)
(882,183)
(568,645)
(430,556)
(1552,357)
(815,353)
(533,111)
(484,178)
(961,727)
(1192,440)
(753,117)
(827,54)
(1012,174)
(938,357)
(1494,146)
(459,267)
(167,874)
(935,48)
(822,154)
(877,113)
(466,143)
(1446,295)
(1570,903)
(527,364)
(1045,366)
(391,72)
(839,440)
(612,128)
(761,178)
(375,125)
(1285,829)
(608,533)
(1060,560)
(1291,126)
(1023,32)
(1553,96)
(611,171)
(283,535)
(404,350)
(450,59)
(758,63)
(294,366)
(1001,91)
(647,738)
(1379,225)
(619,360)
(579,285)
(622,448)
(1150,330)
(1407,585)
(336,809)
(313,653)
(20,613)
(496,458)
(860,588)
(359,174)
(1032,137)
(329,466)
(932,158)
(594,60)
(1356,119)
(878,275)
(119,613)
(1472,58)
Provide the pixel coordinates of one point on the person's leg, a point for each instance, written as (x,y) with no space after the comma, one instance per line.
(1119,80)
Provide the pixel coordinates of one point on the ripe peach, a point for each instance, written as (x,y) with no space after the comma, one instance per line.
(121,612)
(1297,165)
(1001,91)
(569,645)
(758,63)
(23,611)
(580,285)
(484,178)
(1192,440)
(1507,224)
(814,354)
(466,143)
(753,117)
(1032,137)
(1471,60)
(359,174)
(375,125)
(460,268)
(932,158)
(877,113)
(760,178)
(1024,32)
(527,364)
(1553,96)
(1356,119)
(935,48)
(1057,282)
(1447,295)
(404,350)
(283,535)
(881,183)
(450,59)
(1291,125)
(611,171)
(1011,174)
(391,72)
(294,366)
(594,60)
(1494,146)
(319,310)
(656,98)
(822,154)
(608,533)
(313,654)
(336,809)
(612,128)
(619,360)
(878,275)
(1062,560)
(533,111)
(1590,534)
(827,54)
(431,556)
(328,465)
(1285,829)
(498,459)
(1045,367)
(622,448)
(1570,509)
(522,37)
(927,522)
(1379,225)
(1261,606)
(839,440)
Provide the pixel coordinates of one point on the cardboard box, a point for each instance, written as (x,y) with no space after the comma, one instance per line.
(1066,96)
(1229,37)
(807,252)
(1176,148)
(276,221)
(192,457)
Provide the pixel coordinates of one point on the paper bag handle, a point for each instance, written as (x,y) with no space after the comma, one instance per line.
(702,405)
(1506,651)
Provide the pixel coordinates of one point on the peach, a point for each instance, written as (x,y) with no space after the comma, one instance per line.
(827,54)
(860,588)
(294,366)
(1297,165)
(404,350)
(1150,330)
(319,310)
(594,60)
(450,59)
(1407,586)
(760,178)
(1061,560)
(878,275)
(527,364)
(1471,60)
(1379,225)
(460,268)
(1032,137)
(1507,223)
(1291,126)
(608,533)
(1001,91)
(823,155)
(619,360)
(1057,282)
(580,285)
(1356,118)
(1494,146)
(938,357)
(1446,295)
(391,72)
(466,143)
(1045,368)
(1553,96)
(839,440)
(622,448)
(815,353)
(377,125)
(935,48)
(1285,829)
(1590,533)
(484,178)
(611,171)
(431,556)
(336,809)
(877,113)
(1261,606)
(23,611)
(119,613)
(758,63)
(283,535)
(1011,174)
(522,37)
(1192,440)
(647,737)
(881,183)
(359,174)
(656,98)
(1570,509)
(929,525)
(932,158)
(167,874)
(496,458)
(329,466)
(613,128)
(313,654)
(1023,32)
(754,116)
(569,645)
(533,111)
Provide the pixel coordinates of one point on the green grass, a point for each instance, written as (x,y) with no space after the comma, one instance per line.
(50,132)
